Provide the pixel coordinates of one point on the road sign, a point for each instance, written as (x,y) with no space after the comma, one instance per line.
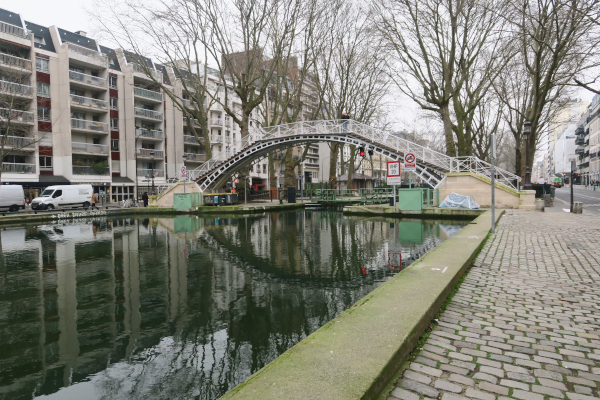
(394,172)
(410,162)
(183,173)
(395,260)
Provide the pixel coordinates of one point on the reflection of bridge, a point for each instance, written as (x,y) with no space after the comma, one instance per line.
(431,167)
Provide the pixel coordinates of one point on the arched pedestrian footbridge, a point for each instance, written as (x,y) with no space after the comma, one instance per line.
(431,165)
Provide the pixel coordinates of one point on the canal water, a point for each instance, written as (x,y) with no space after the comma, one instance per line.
(184,307)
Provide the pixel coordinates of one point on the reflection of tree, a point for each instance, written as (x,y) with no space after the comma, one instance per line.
(254,287)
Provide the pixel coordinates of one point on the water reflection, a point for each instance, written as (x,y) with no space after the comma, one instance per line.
(182,307)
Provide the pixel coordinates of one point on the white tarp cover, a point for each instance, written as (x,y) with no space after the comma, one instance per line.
(455,200)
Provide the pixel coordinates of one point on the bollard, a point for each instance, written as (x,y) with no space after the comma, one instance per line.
(539,205)
(577,207)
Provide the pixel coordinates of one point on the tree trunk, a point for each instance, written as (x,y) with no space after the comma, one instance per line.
(518,157)
(448,133)
(272,177)
(350,184)
(333,158)
(290,169)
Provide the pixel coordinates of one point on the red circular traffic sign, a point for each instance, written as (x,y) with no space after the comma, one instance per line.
(409,158)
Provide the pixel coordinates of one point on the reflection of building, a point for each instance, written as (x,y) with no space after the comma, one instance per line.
(129,306)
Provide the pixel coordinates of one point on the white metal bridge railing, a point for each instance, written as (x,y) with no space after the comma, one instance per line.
(429,161)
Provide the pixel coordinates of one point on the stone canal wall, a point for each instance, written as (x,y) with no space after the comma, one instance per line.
(356,355)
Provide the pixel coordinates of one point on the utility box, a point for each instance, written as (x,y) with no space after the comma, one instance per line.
(291,194)
(410,199)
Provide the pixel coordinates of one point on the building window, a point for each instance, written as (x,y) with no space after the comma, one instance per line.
(43,89)
(252,168)
(114,103)
(44,114)
(264,168)
(42,65)
(114,144)
(39,39)
(45,163)
(96,140)
(114,124)
(112,82)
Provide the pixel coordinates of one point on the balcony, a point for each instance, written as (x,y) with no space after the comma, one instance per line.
(157,75)
(86,125)
(17,116)
(216,139)
(148,133)
(279,156)
(216,122)
(149,114)
(90,148)
(14,62)
(14,30)
(194,122)
(88,102)
(15,89)
(191,139)
(86,55)
(158,173)
(147,94)
(227,123)
(580,150)
(18,168)
(194,157)
(85,79)
(90,170)
(149,153)
(580,139)
(19,142)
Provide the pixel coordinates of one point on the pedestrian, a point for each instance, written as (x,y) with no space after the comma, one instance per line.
(345,118)
(145,199)
(94,201)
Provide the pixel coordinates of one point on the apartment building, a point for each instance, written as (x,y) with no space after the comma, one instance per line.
(90,114)
(588,143)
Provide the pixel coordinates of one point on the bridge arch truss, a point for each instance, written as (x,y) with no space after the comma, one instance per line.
(431,165)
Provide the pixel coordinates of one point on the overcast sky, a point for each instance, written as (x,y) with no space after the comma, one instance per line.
(71,15)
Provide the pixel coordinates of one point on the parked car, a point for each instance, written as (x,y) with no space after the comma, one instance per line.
(12,197)
(61,196)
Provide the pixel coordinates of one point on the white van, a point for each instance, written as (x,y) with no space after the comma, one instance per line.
(62,196)
(12,197)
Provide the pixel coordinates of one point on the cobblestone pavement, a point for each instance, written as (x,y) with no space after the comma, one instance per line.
(525,323)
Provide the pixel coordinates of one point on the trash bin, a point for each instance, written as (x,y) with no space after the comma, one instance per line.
(291,194)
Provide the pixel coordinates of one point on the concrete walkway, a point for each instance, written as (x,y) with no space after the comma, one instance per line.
(525,323)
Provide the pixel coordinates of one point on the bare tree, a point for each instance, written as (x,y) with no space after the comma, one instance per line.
(16,121)
(174,34)
(350,74)
(556,43)
(446,54)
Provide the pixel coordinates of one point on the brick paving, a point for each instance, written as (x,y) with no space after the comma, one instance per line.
(525,323)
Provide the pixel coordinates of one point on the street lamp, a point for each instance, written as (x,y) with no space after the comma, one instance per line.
(152,166)
(526,133)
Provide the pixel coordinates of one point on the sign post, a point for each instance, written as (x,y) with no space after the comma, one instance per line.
(410,165)
(183,177)
(493,155)
(393,176)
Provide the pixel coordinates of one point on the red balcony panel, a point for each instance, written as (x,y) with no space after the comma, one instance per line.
(44,126)
(114,113)
(113,92)
(114,134)
(45,151)
(116,174)
(115,155)
(42,77)
(45,172)
(44,102)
